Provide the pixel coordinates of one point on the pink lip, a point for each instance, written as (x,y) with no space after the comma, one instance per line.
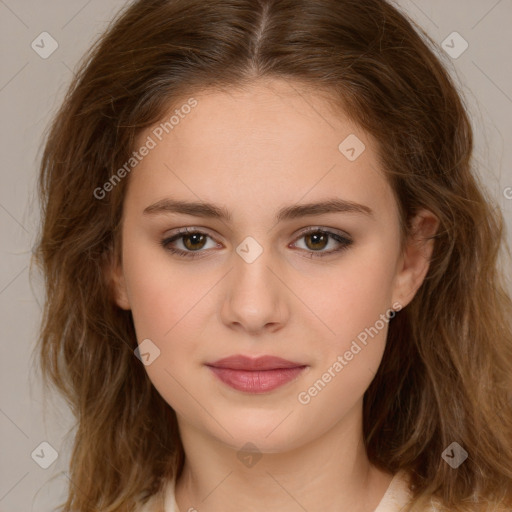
(255,375)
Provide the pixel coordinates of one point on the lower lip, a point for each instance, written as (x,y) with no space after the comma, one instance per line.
(258,381)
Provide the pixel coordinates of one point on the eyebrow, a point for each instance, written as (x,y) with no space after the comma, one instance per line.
(204,209)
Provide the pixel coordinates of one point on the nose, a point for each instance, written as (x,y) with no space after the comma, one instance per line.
(254,298)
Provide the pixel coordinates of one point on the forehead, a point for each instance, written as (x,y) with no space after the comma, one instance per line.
(268,143)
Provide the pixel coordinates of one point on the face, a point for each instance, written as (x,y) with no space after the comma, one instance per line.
(313,286)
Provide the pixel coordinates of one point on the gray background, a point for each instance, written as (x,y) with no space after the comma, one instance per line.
(31,89)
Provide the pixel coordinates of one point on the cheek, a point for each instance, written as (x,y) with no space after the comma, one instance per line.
(166,305)
(359,292)
(357,311)
(161,293)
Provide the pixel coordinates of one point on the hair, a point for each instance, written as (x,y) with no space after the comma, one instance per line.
(447,366)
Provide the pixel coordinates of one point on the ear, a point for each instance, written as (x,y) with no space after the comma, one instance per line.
(414,262)
(118,285)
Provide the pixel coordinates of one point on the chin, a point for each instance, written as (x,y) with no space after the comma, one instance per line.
(268,432)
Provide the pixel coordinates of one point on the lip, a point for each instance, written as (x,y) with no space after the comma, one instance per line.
(240,362)
(256,375)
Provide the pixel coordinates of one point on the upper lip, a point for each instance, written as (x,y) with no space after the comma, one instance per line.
(240,362)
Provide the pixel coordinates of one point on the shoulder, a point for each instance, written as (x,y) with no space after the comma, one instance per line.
(399,495)
(148,506)
(396,498)
(160,502)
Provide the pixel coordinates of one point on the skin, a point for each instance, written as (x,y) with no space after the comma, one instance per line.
(254,151)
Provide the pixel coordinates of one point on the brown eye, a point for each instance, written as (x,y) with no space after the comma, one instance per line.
(194,241)
(318,239)
(315,240)
(190,243)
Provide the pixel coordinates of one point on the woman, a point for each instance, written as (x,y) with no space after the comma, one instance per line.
(272,276)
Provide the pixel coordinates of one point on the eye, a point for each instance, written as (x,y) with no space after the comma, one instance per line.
(193,241)
(317,239)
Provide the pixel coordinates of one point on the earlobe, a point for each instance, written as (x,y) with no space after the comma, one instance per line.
(415,260)
(118,286)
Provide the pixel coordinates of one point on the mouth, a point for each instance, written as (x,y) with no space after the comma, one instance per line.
(256,375)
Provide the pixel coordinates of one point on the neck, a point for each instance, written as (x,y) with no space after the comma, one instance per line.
(332,472)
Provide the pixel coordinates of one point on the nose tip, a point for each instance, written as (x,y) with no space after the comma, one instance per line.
(252,299)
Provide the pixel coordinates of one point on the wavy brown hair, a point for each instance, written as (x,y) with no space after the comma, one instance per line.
(447,368)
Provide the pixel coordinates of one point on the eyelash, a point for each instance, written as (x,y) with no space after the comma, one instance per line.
(345,243)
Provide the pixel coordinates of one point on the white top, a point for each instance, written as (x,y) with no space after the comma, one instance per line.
(396,496)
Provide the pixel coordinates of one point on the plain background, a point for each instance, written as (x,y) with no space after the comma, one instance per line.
(31,89)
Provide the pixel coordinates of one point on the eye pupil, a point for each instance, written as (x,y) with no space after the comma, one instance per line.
(318,238)
(197,237)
